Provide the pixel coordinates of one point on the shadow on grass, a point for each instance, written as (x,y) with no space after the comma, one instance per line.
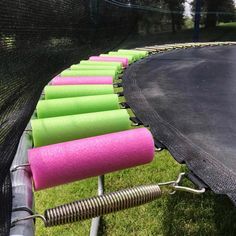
(208,214)
(102,228)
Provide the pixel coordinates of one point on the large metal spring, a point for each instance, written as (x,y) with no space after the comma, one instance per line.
(101,205)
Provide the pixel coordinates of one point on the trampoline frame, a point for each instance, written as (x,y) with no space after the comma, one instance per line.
(23,197)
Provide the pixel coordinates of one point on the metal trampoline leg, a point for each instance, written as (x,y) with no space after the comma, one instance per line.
(96,221)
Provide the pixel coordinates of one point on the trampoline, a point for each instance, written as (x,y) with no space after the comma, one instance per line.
(187,97)
(95,109)
(182,93)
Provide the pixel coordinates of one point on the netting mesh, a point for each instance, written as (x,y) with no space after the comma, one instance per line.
(38,39)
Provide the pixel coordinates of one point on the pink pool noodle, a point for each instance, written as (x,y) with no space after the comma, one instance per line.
(75,160)
(122,60)
(82,80)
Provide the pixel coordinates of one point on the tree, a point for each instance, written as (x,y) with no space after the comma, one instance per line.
(216,11)
(228,12)
(176,8)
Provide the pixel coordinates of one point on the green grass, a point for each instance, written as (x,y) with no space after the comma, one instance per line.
(188,23)
(180,214)
(223,32)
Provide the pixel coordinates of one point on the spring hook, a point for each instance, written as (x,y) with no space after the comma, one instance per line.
(31,217)
(159,149)
(21,167)
(176,187)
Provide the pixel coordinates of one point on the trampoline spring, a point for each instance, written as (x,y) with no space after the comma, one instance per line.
(101,205)
(108,203)
(136,121)
(124,105)
(159,149)
(120,94)
(117,85)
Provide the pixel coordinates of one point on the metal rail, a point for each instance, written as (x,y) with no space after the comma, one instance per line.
(23,199)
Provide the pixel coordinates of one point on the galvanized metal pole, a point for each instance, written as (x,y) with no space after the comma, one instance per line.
(23,198)
(96,221)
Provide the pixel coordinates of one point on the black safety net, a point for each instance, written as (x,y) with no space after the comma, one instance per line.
(39,39)
(187,97)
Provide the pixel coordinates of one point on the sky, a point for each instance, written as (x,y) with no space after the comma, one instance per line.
(188,8)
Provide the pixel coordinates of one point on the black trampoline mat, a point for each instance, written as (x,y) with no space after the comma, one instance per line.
(188,97)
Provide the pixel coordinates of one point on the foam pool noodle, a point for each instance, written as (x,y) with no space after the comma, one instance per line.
(89,72)
(132,57)
(128,57)
(66,128)
(66,162)
(95,67)
(76,105)
(140,53)
(124,61)
(82,80)
(102,63)
(53,92)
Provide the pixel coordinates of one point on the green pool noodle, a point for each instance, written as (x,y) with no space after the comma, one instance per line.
(102,63)
(66,128)
(95,67)
(75,73)
(53,92)
(141,53)
(120,54)
(130,58)
(76,105)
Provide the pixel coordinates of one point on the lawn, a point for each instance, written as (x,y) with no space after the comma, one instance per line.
(223,32)
(179,214)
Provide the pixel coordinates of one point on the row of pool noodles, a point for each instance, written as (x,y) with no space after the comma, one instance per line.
(99,69)
(77,136)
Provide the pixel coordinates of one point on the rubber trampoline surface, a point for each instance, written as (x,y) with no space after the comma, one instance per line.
(188,98)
